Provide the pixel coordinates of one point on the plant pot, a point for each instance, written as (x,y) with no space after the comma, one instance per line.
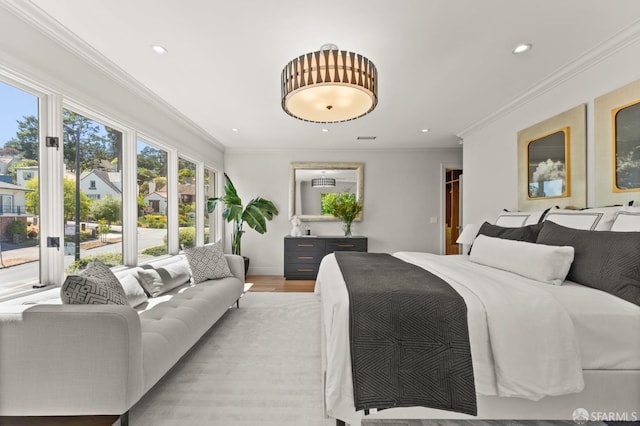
(246,265)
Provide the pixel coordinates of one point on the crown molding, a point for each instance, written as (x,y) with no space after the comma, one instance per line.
(248,150)
(41,21)
(600,52)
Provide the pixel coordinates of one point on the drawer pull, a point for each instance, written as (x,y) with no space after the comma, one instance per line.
(305,245)
(345,245)
(305,257)
(305,270)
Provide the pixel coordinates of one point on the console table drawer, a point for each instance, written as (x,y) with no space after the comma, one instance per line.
(347,244)
(303,245)
(303,256)
(301,271)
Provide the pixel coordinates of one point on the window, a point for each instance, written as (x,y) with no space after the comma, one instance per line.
(186,203)
(85,208)
(19,197)
(6,204)
(152,200)
(93,225)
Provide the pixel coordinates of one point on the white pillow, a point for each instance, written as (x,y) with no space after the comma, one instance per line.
(593,219)
(540,262)
(132,288)
(518,219)
(158,281)
(627,220)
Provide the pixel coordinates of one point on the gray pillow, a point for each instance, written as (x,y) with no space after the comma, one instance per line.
(527,233)
(96,285)
(207,263)
(157,281)
(606,260)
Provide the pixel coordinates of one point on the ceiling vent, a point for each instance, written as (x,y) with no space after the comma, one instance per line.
(366,138)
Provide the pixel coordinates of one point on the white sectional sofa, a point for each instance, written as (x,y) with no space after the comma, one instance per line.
(62,359)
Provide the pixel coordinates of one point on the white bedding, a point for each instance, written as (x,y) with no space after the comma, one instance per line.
(539,356)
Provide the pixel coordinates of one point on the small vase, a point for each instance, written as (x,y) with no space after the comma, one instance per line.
(346,226)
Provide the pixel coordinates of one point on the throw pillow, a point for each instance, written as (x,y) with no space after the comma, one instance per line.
(160,280)
(627,220)
(132,288)
(95,285)
(207,263)
(598,219)
(508,219)
(605,260)
(548,264)
(527,233)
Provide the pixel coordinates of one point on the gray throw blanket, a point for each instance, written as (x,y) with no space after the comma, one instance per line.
(409,336)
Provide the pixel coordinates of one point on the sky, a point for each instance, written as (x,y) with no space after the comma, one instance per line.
(14,104)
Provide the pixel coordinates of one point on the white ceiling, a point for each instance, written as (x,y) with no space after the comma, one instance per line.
(445,65)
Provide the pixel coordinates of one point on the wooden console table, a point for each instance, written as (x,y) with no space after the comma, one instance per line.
(302,255)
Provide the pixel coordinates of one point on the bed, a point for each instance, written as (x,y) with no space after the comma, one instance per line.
(596,333)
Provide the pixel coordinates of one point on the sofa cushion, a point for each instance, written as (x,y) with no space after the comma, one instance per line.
(159,280)
(171,327)
(96,285)
(207,262)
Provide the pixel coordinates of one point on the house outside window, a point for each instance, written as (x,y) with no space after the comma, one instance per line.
(92,184)
(6,203)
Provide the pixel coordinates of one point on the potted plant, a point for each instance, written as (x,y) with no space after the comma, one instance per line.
(255,214)
(344,206)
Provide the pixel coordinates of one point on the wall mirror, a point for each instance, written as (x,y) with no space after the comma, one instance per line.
(309,181)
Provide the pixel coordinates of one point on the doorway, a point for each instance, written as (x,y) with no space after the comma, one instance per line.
(452,209)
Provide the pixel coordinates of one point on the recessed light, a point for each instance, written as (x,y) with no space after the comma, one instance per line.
(325,130)
(159,49)
(234,130)
(424,130)
(521,48)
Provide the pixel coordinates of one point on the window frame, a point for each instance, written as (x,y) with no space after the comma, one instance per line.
(51,168)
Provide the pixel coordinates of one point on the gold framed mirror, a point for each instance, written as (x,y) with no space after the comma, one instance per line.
(310,181)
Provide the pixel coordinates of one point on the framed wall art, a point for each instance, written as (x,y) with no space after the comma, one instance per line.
(617,146)
(552,162)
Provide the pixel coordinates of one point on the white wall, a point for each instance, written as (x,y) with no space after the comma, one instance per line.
(490,153)
(401,192)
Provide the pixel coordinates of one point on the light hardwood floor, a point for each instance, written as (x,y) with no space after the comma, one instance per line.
(276,284)
(260,283)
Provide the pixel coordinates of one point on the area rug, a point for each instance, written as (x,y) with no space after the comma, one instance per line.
(258,365)
(380,422)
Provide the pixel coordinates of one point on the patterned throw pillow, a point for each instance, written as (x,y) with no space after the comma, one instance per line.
(96,285)
(207,263)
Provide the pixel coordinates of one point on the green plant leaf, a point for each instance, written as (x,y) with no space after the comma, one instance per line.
(255,219)
(255,215)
